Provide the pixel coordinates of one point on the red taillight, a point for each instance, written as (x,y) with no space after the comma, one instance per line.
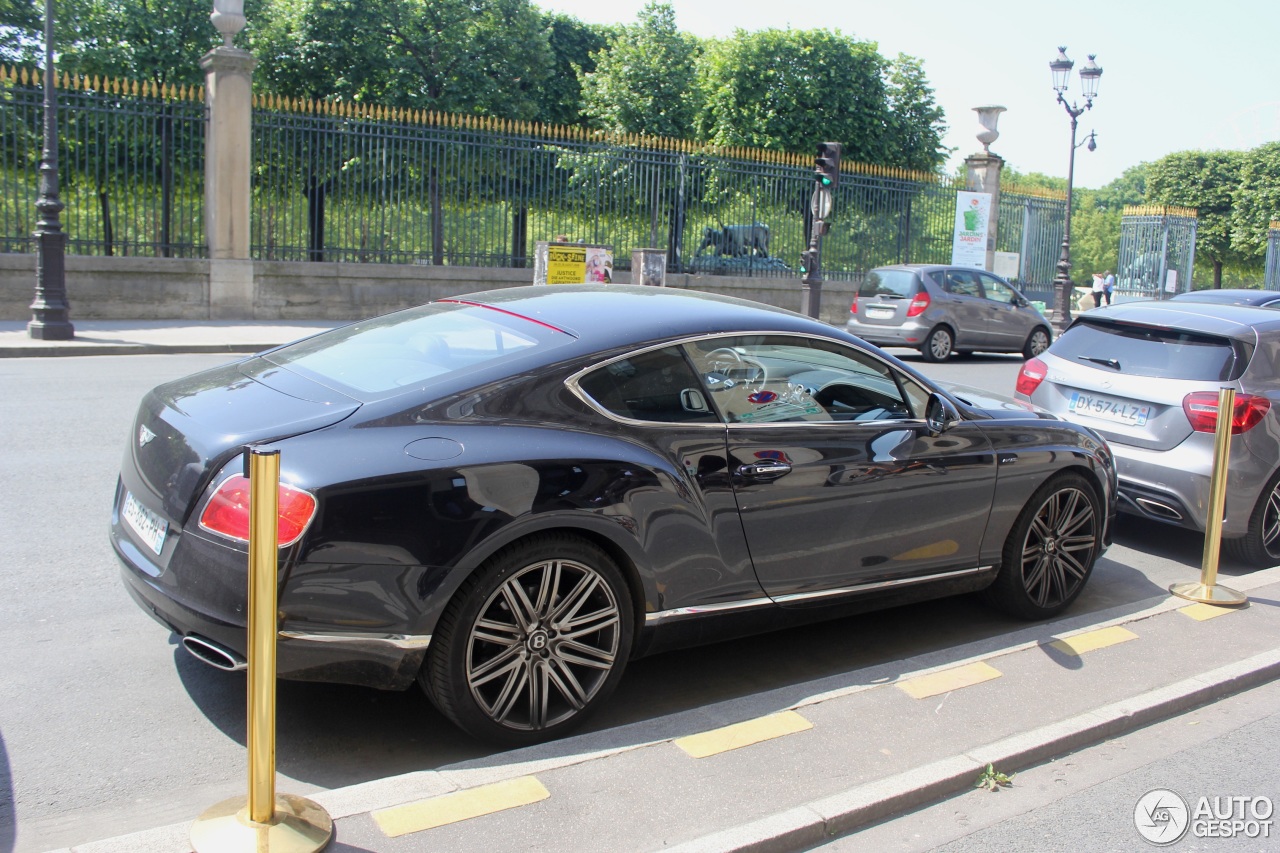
(1032,374)
(853,309)
(228,511)
(1202,411)
(918,305)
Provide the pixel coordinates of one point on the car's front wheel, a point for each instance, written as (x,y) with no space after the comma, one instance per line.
(1051,550)
(1260,545)
(1037,342)
(532,643)
(938,345)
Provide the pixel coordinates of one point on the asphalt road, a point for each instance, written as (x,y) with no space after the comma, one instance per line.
(107,726)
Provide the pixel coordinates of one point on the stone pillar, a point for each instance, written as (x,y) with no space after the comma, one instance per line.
(982,175)
(649,266)
(228,162)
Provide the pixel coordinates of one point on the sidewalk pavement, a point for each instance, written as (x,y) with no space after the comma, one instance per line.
(139,337)
(789,768)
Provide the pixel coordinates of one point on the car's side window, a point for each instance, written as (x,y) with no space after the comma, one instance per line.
(654,386)
(997,290)
(963,283)
(788,379)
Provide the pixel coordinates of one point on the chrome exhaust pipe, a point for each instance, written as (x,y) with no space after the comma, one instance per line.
(218,657)
(1158,508)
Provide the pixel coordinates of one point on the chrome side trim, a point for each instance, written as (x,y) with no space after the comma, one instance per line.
(869,587)
(678,613)
(406,642)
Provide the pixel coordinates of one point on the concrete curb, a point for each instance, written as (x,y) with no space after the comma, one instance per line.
(821,820)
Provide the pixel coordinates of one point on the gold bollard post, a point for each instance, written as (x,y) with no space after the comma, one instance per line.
(264,823)
(1208,591)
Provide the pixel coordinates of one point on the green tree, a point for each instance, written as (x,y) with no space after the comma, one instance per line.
(790,89)
(916,122)
(643,81)
(1207,181)
(489,57)
(1257,200)
(574,47)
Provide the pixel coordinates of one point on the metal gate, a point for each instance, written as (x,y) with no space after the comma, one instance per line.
(1271,281)
(1157,252)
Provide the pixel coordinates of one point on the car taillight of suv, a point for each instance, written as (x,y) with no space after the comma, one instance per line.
(1202,411)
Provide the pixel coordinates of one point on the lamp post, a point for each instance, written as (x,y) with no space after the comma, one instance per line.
(50,313)
(1089,74)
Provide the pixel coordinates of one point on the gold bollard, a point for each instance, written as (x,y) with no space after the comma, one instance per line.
(1208,591)
(264,823)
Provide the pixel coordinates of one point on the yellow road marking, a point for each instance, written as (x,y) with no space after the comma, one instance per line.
(924,686)
(1201,612)
(1091,640)
(743,734)
(462,805)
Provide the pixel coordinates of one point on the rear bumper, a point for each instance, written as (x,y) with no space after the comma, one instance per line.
(383,661)
(910,334)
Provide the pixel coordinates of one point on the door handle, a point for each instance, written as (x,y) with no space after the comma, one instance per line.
(764,470)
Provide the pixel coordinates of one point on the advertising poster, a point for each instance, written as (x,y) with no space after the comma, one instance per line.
(969,247)
(566,264)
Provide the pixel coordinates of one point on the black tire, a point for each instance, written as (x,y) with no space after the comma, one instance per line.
(938,345)
(1050,551)
(1037,342)
(1260,545)
(503,664)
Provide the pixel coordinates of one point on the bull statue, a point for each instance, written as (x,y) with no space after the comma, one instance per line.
(736,241)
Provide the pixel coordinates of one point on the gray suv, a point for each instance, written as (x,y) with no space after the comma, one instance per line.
(943,309)
(1145,376)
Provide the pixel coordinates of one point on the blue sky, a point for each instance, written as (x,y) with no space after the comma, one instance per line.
(1177,75)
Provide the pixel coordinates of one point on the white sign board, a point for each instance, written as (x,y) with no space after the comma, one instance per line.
(969,246)
(1006,265)
(1171,281)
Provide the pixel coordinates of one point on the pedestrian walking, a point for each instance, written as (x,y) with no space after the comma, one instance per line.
(1108,285)
(1099,288)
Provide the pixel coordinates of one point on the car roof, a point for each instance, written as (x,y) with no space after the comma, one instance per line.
(1241,295)
(1231,320)
(604,314)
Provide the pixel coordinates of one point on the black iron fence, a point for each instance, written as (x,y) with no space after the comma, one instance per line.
(343,182)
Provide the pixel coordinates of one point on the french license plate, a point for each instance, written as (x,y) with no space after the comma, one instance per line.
(1107,409)
(879,313)
(149,526)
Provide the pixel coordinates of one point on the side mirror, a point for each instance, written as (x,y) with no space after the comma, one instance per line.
(939,414)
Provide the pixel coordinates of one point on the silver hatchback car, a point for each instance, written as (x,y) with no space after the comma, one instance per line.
(944,309)
(1146,375)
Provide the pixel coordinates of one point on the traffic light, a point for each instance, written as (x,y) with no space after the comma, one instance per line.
(827,164)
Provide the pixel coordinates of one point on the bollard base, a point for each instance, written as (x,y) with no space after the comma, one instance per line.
(1208,594)
(298,826)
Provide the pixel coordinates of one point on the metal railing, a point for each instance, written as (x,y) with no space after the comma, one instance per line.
(1271,275)
(1157,251)
(1031,224)
(337,181)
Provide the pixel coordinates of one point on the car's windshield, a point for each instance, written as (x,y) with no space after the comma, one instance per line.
(410,347)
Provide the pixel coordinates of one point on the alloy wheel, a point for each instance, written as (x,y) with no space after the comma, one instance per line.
(1059,547)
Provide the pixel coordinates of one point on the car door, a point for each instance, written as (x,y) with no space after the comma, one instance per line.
(967,308)
(839,482)
(1009,323)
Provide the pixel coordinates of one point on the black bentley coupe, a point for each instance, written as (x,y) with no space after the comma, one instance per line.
(508,495)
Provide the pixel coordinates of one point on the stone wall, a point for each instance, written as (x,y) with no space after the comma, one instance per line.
(101,288)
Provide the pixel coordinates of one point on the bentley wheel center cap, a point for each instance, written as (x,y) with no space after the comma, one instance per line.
(538,640)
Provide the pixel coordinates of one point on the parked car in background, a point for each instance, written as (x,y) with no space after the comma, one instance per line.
(1146,376)
(506,496)
(941,310)
(1232,296)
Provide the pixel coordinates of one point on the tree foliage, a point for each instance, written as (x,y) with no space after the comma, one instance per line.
(1207,181)
(643,81)
(791,89)
(1257,200)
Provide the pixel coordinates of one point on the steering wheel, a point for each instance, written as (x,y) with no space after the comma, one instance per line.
(717,357)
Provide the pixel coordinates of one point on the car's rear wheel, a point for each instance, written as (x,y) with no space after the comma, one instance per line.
(1037,342)
(532,643)
(1051,550)
(1260,545)
(938,345)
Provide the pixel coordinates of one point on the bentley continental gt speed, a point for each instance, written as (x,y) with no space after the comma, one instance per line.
(505,497)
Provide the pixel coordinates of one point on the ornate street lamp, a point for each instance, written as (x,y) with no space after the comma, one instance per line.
(1089,75)
(50,313)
